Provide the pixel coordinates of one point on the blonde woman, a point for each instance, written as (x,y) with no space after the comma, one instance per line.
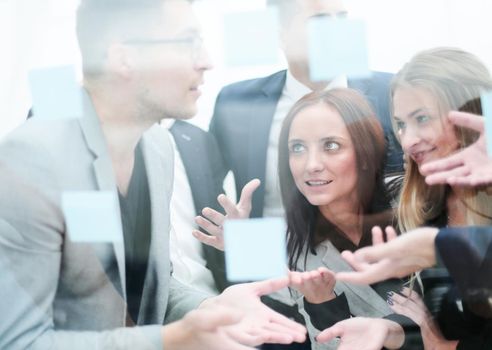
(423,93)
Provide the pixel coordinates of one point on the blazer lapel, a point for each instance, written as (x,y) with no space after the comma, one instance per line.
(366,294)
(105,179)
(154,295)
(260,120)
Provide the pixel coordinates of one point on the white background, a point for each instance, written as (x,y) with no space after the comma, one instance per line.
(40,33)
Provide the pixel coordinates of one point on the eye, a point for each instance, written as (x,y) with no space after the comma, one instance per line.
(422,118)
(332,146)
(400,126)
(296,147)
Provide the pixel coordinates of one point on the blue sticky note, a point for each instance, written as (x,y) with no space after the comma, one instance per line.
(486,99)
(255,249)
(251,38)
(55,93)
(92,216)
(337,47)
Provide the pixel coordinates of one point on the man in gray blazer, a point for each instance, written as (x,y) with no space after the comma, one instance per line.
(142,61)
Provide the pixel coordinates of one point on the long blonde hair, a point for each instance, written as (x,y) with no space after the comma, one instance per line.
(456,79)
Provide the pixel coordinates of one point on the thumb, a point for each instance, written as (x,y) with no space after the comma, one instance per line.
(330,333)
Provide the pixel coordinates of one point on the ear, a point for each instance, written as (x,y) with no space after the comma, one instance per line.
(120,60)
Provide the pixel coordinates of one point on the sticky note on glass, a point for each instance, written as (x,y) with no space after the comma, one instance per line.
(255,249)
(251,38)
(55,93)
(92,216)
(337,47)
(486,99)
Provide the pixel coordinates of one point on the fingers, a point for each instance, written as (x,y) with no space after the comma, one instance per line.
(269,286)
(377,235)
(330,333)
(247,193)
(229,207)
(445,176)
(296,330)
(213,241)
(467,120)
(440,165)
(390,233)
(213,215)
(209,226)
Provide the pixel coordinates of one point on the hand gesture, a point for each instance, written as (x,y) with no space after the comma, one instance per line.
(317,286)
(364,334)
(412,306)
(207,329)
(212,221)
(259,322)
(408,253)
(471,166)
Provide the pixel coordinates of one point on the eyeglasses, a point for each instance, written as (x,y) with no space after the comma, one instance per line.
(195,43)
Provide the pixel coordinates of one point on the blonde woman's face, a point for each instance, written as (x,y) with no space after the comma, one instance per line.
(424,130)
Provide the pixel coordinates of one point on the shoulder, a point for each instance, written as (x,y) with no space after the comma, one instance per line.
(249,87)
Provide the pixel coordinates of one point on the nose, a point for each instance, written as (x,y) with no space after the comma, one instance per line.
(409,139)
(314,162)
(203,60)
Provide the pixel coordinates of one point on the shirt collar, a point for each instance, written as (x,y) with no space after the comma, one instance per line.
(295,90)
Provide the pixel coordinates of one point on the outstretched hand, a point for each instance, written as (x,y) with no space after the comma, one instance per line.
(259,323)
(212,221)
(411,305)
(364,333)
(317,286)
(408,253)
(471,166)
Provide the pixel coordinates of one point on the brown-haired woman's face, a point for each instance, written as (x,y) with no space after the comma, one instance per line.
(424,133)
(322,157)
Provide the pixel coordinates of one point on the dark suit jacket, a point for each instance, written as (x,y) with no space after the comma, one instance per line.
(205,171)
(467,254)
(243,117)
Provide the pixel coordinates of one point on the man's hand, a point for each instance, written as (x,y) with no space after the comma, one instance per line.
(365,334)
(471,166)
(259,322)
(408,253)
(212,221)
(207,330)
(317,286)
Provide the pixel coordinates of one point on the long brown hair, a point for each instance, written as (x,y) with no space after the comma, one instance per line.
(367,137)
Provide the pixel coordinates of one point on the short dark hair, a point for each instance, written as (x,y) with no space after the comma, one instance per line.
(101,22)
(368,139)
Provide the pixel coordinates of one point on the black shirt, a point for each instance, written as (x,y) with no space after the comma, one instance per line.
(136,220)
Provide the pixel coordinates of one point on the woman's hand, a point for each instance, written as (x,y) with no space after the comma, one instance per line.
(412,306)
(317,286)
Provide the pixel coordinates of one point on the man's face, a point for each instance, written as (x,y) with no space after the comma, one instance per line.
(170,65)
(294,31)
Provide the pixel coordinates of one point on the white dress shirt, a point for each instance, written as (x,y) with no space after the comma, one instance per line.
(185,250)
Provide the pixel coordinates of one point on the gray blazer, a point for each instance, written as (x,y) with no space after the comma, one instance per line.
(362,300)
(58,294)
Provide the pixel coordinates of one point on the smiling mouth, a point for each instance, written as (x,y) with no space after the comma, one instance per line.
(419,156)
(317,183)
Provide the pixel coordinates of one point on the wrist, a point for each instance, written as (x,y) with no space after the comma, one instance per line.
(395,336)
(174,334)
(312,299)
